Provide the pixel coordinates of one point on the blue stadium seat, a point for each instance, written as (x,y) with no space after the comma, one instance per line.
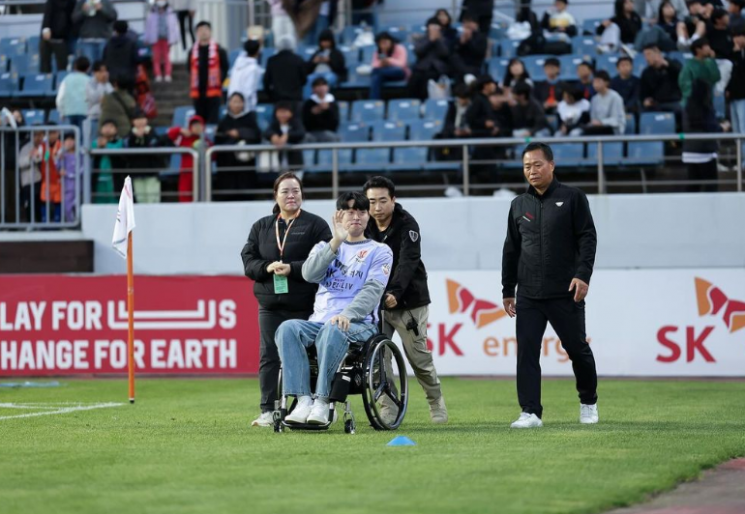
(400,32)
(569,65)
(630,125)
(266,53)
(351,57)
(639,64)
(372,159)
(355,133)
(13,46)
(160,131)
(435,109)
(417,30)
(424,130)
(264,115)
(409,159)
(343,111)
(508,48)
(584,46)
(368,110)
(234,56)
(569,154)
(309,158)
(182,114)
(306,51)
(553,122)
(37,85)
(223,111)
(54,117)
(350,33)
(59,77)
(591,24)
(325,160)
(612,153)
(534,66)
(404,109)
(388,131)
(8,85)
(209,131)
(4,62)
(366,54)
(496,67)
(22,64)
(657,123)
(355,81)
(33,116)
(646,153)
(676,56)
(607,62)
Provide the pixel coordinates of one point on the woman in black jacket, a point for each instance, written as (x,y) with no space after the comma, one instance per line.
(328,62)
(699,117)
(286,129)
(628,20)
(273,258)
(236,170)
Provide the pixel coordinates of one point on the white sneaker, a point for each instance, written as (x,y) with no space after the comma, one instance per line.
(301,412)
(169,78)
(158,79)
(265,420)
(588,414)
(527,420)
(319,415)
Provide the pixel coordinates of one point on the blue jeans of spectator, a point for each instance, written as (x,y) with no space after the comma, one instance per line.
(330,77)
(737,112)
(91,48)
(384,74)
(293,337)
(76,120)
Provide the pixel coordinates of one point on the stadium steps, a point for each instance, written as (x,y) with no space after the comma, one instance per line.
(168,96)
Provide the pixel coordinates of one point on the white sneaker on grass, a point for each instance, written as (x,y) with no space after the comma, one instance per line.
(302,410)
(527,420)
(588,414)
(319,415)
(265,420)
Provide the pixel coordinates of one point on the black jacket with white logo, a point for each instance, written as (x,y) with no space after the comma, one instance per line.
(551,240)
(408,282)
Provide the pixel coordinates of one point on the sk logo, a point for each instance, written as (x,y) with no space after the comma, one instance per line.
(713,301)
(461,299)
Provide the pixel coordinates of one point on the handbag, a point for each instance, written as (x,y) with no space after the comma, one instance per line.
(268,162)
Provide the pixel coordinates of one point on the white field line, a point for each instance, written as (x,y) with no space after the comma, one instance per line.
(64,410)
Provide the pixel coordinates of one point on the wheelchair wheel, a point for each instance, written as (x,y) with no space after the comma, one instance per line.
(385,392)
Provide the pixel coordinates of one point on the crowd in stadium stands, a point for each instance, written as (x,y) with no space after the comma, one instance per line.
(551,77)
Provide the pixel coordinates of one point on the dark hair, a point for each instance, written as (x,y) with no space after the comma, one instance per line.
(382,183)
(522,88)
(437,13)
(585,63)
(252,47)
(287,106)
(361,203)
(565,2)
(651,46)
(120,26)
(461,91)
(576,92)
(203,24)
(319,81)
(618,9)
(327,35)
(603,75)
(69,135)
(552,61)
(509,78)
(285,176)
(82,63)
(138,113)
(718,13)
(466,16)
(698,45)
(109,121)
(97,65)
(543,147)
(236,93)
(121,81)
(479,83)
(386,35)
(660,17)
(623,58)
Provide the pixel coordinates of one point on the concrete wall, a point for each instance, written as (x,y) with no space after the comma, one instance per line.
(634,231)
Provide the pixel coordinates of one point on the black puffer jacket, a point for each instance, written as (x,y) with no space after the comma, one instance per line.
(551,240)
(408,282)
(261,250)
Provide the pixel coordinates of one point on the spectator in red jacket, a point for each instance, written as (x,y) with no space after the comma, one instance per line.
(188,138)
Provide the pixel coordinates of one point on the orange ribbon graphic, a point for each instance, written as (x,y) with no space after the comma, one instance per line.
(712,300)
(461,299)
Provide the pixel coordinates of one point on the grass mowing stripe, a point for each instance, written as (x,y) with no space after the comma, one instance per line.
(186,447)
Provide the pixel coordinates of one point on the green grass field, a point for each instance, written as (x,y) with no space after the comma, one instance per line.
(187,447)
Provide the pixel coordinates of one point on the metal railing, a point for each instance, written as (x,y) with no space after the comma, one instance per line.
(21,205)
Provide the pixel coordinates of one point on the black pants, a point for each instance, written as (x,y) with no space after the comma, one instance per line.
(186,21)
(418,83)
(595,130)
(59,49)
(702,171)
(209,109)
(269,363)
(568,320)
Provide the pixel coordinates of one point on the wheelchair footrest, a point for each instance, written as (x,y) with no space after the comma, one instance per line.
(306,426)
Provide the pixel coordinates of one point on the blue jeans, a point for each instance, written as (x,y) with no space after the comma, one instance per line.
(311,37)
(294,336)
(380,75)
(737,111)
(76,120)
(92,49)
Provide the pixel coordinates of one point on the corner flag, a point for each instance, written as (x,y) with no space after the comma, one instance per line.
(125,219)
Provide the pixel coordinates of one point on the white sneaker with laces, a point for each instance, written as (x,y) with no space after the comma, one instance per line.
(158,79)
(319,415)
(169,78)
(301,412)
(265,420)
(527,420)
(588,414)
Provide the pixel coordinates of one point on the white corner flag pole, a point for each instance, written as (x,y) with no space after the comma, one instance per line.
(122,243)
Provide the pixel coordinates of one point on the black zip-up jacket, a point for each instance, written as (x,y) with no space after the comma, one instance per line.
(261,250)
(736,87)
(551,240)
(408,282)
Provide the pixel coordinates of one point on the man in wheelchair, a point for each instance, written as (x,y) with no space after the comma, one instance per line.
(352,273)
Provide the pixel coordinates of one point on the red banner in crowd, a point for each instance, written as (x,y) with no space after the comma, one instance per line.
(68,325)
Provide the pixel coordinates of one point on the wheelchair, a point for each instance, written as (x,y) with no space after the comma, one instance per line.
(375,369)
